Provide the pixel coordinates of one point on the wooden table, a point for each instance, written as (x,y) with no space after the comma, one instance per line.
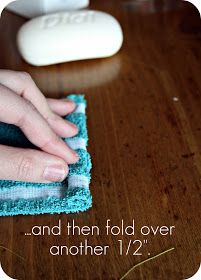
(144,121)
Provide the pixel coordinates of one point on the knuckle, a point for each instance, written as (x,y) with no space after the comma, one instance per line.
(52,140)
(25,167)
(27,108)
(25,76)
(25,79)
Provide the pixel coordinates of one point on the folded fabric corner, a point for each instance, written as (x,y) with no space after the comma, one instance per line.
(70,196)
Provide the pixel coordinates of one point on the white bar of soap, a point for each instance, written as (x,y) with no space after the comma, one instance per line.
(69,36)
(39,7)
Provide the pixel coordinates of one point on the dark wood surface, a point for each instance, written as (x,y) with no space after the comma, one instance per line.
(145,147)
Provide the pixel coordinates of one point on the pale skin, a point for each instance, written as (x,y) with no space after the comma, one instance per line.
(40,119)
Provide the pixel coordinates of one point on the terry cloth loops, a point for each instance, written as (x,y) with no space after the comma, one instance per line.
(71,195)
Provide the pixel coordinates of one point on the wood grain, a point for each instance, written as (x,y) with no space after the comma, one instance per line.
(145,147)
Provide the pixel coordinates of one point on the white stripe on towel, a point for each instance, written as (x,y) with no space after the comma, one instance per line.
(79,143)
(30,192)
(80,108)
(78,180)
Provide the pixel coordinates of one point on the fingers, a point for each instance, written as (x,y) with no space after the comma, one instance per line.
(59,126)
(23,85)
(61,107)
(31,165)
(16,110)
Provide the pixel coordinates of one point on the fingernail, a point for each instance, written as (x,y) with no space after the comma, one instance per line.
(55,173)
(73,125)
(76,155)
(70,102)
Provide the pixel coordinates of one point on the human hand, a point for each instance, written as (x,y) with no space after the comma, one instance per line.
(23,104)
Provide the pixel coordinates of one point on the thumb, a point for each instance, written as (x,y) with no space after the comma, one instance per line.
(30,165)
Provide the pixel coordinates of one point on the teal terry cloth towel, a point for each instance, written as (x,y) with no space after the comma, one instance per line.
(71,195)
